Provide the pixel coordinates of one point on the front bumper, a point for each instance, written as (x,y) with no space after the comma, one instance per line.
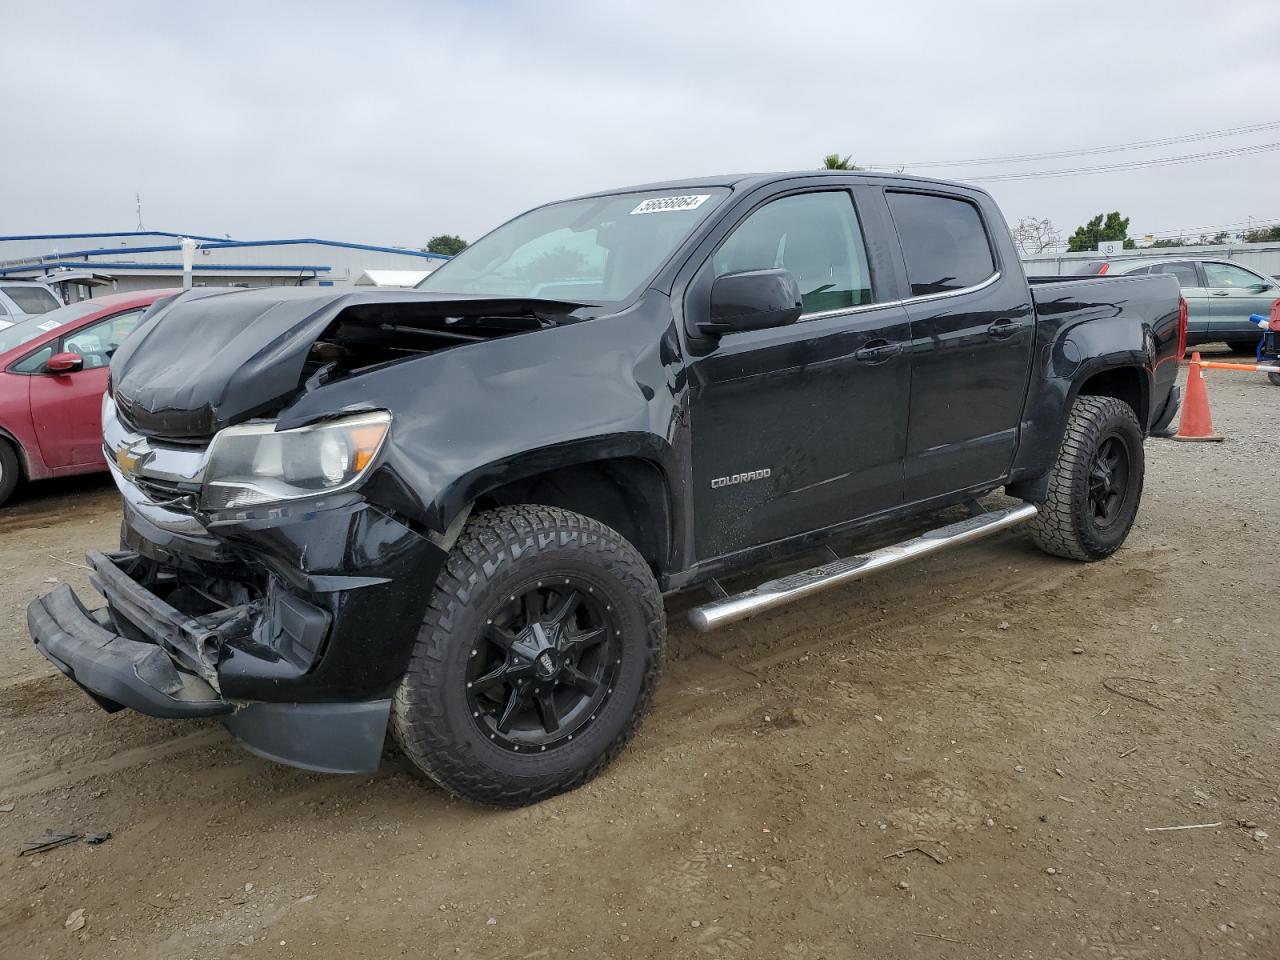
(115,670)
(166,674)
(293,625)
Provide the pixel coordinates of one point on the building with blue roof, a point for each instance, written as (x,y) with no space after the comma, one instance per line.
(120,262)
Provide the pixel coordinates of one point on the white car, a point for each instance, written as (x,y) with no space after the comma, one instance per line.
(20,299)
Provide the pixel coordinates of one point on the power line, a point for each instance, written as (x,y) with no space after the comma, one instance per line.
(1088,151)
(1130,165)
(1262,222)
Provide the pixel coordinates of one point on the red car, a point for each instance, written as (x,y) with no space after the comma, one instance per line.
(53,372)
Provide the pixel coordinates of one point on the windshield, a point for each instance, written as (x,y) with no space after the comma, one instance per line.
(32,299)
(600,250)
(33,327)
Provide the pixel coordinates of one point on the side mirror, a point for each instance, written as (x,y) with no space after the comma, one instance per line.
(1259,288)
(64,363)
(752,300)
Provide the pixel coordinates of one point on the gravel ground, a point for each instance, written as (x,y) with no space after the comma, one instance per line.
(957,760)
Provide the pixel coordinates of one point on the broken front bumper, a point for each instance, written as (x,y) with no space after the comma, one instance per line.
(302,672)
(116,670)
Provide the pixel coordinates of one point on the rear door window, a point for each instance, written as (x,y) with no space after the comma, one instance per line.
(943,241)
(1186,273)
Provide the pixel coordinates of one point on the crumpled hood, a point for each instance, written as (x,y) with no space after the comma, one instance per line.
(214,357)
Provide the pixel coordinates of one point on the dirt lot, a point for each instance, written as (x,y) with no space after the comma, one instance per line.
(1016,719)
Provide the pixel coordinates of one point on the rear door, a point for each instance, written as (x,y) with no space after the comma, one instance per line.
(1191,280)
(972,331)
(66,408)
(1234,294)
(800,427)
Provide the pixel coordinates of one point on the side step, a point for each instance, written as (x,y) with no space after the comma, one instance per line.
(775,593)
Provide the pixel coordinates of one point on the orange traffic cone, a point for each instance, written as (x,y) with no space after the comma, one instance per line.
(1196,423)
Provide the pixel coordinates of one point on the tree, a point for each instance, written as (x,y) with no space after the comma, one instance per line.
(1269,234)
(833,161)
(1112,226)
(1036,236)
(1172,242)
(447,244)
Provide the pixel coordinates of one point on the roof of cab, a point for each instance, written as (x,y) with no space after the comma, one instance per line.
(752,180)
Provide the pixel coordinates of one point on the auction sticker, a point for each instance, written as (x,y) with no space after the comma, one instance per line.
(671,204)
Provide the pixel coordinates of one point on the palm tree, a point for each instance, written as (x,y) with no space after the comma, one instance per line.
(833,161)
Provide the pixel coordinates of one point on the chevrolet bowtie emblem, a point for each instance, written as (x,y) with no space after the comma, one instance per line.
(127,459)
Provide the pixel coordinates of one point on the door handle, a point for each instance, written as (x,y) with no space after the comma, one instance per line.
(1002,328)
(877,351)
(1221,293)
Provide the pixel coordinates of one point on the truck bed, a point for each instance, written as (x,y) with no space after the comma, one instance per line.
(1135,314)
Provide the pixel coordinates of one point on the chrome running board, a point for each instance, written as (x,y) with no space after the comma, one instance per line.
(775,593)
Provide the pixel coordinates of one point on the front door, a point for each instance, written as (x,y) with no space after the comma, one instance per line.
(1234,294)
(799,427)
(972,332)
(66,408)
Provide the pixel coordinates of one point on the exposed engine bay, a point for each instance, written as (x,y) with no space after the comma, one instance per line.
(214,357)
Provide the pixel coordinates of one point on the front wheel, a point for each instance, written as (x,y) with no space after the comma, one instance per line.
(1096,482)
(1274,378)
(536,660)
(10,471)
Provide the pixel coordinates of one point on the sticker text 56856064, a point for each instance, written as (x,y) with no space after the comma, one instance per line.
(671,204)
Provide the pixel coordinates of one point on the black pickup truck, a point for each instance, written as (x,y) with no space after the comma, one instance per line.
(454,511)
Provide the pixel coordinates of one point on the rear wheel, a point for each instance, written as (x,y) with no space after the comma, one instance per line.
(10,471)
(1274,378)
(1096,482)
(536,660)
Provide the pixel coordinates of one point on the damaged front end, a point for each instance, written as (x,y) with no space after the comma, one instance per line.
(284,617)
(260,578)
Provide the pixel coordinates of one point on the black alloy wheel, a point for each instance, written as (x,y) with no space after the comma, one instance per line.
(544,666)
(538,655)
(1108,480)
(1095,485)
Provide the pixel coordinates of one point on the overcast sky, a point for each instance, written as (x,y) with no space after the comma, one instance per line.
(390,122)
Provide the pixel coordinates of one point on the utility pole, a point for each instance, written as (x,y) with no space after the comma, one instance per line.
(188,256)
(137,198)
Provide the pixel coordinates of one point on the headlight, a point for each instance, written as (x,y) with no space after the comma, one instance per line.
(255,463)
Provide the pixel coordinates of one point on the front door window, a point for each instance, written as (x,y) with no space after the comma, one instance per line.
(813,235)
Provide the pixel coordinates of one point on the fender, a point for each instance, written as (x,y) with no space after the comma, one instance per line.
(32,465)
(624,481)
(1079,342)
(477,417)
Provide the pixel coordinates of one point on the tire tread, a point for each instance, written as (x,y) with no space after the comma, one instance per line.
(1057,529)
(488,543)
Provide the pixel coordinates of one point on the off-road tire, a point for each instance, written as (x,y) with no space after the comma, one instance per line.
(1065,526)
(498,552)
(10,470)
